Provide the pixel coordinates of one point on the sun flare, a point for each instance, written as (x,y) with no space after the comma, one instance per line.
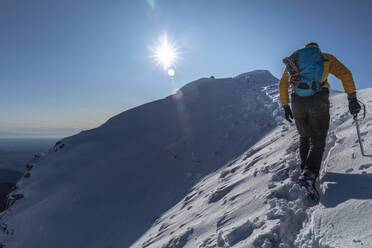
(165,53)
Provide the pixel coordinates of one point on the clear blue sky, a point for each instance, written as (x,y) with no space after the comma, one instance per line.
(75,63)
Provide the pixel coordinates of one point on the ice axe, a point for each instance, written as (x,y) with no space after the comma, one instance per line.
(356,121)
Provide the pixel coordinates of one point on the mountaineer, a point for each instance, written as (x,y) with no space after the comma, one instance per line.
(306,72)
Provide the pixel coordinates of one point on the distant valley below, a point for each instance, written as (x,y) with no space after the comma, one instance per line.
(16,153)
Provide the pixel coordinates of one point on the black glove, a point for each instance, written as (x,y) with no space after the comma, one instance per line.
(288,113)
(354,106)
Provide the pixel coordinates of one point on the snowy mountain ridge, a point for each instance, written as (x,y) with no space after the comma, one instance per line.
(256,202)
(214,165)
(127,172)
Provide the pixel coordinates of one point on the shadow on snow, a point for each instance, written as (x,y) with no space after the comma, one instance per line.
(342,187)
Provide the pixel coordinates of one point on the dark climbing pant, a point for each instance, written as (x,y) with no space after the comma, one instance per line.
(311,115)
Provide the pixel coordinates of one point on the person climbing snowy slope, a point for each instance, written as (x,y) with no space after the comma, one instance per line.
(306,73)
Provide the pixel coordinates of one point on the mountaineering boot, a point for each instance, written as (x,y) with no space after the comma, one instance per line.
(307,181)
(307,178)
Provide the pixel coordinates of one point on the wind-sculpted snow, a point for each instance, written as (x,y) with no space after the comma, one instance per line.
(256,202)
(106,186)
(214,165)
(241,205)
(180,241)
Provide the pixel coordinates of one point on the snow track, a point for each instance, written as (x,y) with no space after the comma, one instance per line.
(256,202)
(307,236)
(273,218)
(333,223)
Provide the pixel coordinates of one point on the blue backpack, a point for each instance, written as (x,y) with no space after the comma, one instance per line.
(305,67)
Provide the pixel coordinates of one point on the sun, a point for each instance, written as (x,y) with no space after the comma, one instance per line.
(165,53)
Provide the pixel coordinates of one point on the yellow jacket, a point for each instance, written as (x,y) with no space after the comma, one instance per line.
(331,65)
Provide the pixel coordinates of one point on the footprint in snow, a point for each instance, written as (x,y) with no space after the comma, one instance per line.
(364,133)
(235,235)
(349,170)
(227,172)
(208,242)
(365,166)
(251,164)
(223,221)
(280,175)
(292,148)
(189,198)
(221,192)
(251,152)
(163,227)
(181,240)
(340,140)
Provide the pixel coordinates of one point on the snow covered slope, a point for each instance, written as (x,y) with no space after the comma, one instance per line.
(255,201)
(105,187)
(344,217)
(125,183)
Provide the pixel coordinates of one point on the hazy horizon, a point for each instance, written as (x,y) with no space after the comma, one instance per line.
(15,153)
(37,133)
